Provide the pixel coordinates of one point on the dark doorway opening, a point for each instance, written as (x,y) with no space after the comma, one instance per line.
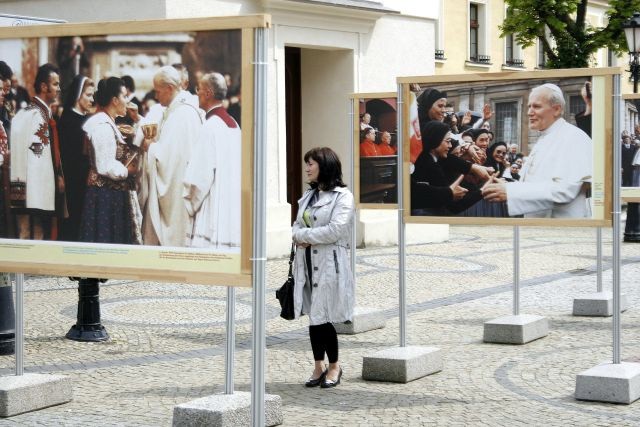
(293,127)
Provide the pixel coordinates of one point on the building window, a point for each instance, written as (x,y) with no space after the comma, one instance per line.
(477,29)
(473,31)
(506,114)
(576,105)
(542,57)
(610,58)
(512,52)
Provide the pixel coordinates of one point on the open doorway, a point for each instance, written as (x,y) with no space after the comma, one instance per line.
(293,127)
(318,84)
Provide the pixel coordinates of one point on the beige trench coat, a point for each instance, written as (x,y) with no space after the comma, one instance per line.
(331,296)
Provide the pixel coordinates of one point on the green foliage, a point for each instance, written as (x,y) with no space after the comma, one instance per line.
(568,40)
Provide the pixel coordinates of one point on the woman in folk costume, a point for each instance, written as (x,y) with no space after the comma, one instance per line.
(110,213)
(324,286)
(75,162)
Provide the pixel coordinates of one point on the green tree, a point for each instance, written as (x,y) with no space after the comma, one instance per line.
(568,40)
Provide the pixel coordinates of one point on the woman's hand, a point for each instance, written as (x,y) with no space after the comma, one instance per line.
(457,191)
(486,112)
(132,169)
(481,172)
(476,154)
(466,119)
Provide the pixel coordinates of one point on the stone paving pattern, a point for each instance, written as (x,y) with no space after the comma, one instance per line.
(167,340)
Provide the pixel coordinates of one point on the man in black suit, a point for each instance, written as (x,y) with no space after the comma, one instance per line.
(628,152)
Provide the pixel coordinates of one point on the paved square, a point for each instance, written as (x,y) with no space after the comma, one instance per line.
(167,340)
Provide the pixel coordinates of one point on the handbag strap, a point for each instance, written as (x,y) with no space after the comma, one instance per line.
(293,253)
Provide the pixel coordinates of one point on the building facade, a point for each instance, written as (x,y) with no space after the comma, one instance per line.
(321,51)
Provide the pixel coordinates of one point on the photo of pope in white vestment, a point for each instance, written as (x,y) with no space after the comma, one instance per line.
(556,175)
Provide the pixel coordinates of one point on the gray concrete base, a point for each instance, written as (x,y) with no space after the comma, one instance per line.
(402,364)
(597,304)
(515,329)
(608,382)
(364,319)
(30,392)
(226,410)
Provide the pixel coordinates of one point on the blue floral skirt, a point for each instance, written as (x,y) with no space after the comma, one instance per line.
(106,216)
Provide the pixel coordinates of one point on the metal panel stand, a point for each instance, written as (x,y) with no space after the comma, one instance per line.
(242,408)
(364,318)
(600,303)
(617,382)
(29,392)
(517,328)
(404,363)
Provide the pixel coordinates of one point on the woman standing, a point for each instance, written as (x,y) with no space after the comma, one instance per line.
(324,287)
(75,163)
(109,212)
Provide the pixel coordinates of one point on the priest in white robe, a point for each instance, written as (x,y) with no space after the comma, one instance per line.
(165,219)
(556,175)
(212,184)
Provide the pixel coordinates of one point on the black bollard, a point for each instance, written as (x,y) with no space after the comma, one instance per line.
(88,327)
(7,316)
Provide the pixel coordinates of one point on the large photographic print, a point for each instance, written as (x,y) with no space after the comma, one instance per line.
(531,148)
(375,130)
(124,152)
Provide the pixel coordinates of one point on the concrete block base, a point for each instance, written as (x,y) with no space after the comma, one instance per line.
(608,382)
(226,410)
(30,392)
(597,304)
(364,319)
(402,364)
(515,329)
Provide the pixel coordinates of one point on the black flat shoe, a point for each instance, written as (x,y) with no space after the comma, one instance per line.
(315,382)
(330,383)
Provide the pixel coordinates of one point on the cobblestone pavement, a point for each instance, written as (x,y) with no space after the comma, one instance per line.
(167,340)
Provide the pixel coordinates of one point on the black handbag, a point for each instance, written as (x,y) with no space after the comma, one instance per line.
(285,293)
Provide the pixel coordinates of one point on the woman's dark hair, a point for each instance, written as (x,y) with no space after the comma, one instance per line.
(107,90)
(5,71)
(329,168)
(491,161)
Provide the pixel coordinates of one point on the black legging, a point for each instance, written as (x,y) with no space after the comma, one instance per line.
(324,339)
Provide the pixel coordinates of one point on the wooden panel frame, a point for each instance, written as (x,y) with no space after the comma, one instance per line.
(356,98)
(167,264)
(628,194)
(601,188)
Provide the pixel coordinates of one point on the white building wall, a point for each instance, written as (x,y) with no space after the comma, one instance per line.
(87,10)
(197,8)
(397,46)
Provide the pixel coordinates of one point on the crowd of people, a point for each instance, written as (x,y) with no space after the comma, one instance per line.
(102,166)
(459,170)
(374,142)
(631,157)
